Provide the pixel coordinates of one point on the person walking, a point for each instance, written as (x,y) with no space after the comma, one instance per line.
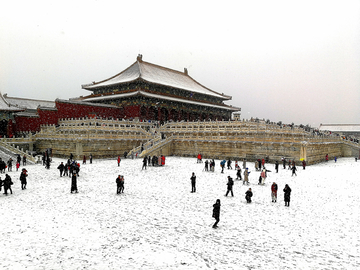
(262,176)
(287,192)
(122,181)
(293,169)
(118,184)
(144,163)
(23,176)
(193,183)
(84,159)
(238,173)
(230,184)
(229,164)
(216,213)
(7,183)
(74,183)
(61,168)
(246,176)
(274,189)
(118,161)
(304,164)
(284,162)
(206,168)
(90,158)
(276,166)
(9,164)
(222,165)
(256,165)
(248,195)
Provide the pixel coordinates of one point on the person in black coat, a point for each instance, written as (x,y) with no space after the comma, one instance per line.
(23,176)
(248,195)
(7,183)
(216,213)
(122,181)
(276,166)
(193,182)
(144,163)
(230,184)
(238,173)
(287,192)
(74,183)
(61,168)
(206,168)
(118,184)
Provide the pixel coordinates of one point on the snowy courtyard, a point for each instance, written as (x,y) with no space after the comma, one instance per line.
(157,223)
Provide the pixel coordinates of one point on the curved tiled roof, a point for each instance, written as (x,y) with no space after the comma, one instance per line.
(163,97)
(158,75)
(6,106)
(28,104)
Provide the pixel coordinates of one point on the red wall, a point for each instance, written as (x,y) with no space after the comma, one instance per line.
(70,110)
(132,111)
(64,110)
(27,124)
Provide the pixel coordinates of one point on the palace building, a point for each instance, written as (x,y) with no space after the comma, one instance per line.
(150,92)
(143,91)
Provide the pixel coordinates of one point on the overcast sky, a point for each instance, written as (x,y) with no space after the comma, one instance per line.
(290,61)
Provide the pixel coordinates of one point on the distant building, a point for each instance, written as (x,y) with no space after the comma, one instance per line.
(342,129)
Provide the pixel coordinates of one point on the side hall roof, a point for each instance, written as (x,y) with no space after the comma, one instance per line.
(28,104)
(158,75)
(6,106)
(340,127)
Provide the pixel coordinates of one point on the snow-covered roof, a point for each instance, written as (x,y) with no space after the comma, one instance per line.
(80,102)
(6,106)
(27,114)
(158,75)
(28,104)
(146,94)
(340,127)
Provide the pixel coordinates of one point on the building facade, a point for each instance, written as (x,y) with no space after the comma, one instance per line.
(151,92)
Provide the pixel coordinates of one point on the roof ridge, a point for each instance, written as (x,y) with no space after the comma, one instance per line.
(95,83)
(186,74)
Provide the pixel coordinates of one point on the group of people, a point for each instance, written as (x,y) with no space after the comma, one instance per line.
(259,166)
(90,159)
(248,196)
(153,161)
(71,169)
(7,182)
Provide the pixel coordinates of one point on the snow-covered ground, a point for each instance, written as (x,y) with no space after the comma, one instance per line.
(159,224)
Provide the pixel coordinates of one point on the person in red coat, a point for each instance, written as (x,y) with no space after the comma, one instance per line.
(118,160)
(199,158)
(274,189)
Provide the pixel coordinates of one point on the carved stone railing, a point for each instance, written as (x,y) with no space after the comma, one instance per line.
(9,145)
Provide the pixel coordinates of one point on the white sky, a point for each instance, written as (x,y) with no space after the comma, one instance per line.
(290,61)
